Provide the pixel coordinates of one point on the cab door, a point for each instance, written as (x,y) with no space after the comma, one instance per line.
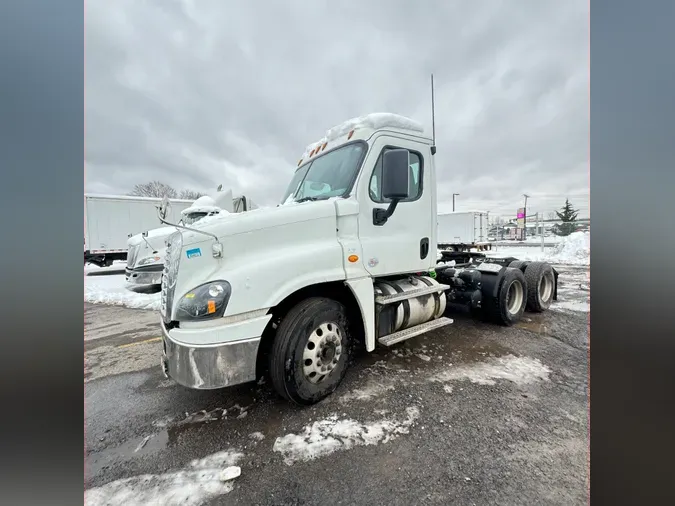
(402,244)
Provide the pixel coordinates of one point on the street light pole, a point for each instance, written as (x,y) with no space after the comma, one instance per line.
(453,201)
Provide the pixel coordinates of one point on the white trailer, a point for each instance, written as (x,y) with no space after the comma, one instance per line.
(461,231)
(110,220)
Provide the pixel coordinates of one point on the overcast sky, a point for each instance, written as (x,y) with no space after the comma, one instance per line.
(202,92)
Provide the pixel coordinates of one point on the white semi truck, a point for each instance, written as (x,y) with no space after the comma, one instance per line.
(349,256)
(147,250)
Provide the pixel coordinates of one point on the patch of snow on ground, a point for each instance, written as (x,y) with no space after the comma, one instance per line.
(576,305)
(197,483)
(111,290)
(257,436)
(116,266)
(327,436)
(367,392)
(519,370)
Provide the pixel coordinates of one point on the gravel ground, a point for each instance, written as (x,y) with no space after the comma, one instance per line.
(469,414)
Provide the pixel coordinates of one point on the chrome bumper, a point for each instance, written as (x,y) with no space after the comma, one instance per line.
(142,278)
(206,367)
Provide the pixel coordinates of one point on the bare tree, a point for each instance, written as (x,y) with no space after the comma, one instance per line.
(154,189)
(190,194)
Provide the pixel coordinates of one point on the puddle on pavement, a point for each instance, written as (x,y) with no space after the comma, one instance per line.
(535,324)
(172,429)
(464,343)
(132,448)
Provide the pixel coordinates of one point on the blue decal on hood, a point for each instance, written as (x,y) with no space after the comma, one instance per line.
(191,253)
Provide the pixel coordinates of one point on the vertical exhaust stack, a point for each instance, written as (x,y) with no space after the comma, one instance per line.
(433,118)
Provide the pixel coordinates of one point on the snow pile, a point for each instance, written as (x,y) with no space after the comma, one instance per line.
(574,249)
(199,482)
(519,370)
(112,290)
(327,436)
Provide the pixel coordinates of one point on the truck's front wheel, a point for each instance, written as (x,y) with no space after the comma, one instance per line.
(311,350)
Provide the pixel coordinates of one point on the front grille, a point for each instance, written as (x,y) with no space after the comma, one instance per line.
(170,274)
(132,254)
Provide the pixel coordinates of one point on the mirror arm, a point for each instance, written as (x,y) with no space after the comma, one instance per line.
(380,216)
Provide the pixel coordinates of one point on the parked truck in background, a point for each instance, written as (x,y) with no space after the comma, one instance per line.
(349,257)
(147,250)
(463,231)
(110,220)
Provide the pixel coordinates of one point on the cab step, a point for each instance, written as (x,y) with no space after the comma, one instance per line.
(402,335)
(396,297)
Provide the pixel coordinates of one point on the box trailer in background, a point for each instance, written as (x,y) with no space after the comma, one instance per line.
(461,231)
(110,220)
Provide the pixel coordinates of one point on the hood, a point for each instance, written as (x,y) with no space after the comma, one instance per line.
(155,237)
(226,225)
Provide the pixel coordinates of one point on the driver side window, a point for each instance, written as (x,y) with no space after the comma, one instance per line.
(415,177)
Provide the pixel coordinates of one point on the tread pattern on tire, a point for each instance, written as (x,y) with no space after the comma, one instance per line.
(533,273)
(496,309)
(277,358)
(516,264)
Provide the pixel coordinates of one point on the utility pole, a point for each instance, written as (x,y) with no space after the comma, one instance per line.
(525,215)
(542,232)
(453,201)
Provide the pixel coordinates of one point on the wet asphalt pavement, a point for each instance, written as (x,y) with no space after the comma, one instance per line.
(469,414)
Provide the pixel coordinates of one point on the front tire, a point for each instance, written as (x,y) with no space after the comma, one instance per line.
(310,353)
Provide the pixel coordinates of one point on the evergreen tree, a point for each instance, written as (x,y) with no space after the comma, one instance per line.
(568,216)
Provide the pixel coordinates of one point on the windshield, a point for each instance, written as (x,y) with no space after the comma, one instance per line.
(330,175)
(191,218)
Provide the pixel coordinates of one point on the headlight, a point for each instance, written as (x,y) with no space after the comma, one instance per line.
(204,302)
(149,260)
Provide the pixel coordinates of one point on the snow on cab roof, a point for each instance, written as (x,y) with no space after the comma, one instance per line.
(374,121)
(204,204)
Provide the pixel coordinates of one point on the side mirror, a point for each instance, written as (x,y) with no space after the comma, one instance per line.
(163,209)
(395,174)
(395,183)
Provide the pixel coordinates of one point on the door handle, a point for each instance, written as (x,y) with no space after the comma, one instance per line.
(424,248)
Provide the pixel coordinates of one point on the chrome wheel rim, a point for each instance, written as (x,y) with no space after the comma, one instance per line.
(514,297)
(546,287)
(322,352)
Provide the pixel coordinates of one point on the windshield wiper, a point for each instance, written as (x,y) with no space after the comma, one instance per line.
(305,199)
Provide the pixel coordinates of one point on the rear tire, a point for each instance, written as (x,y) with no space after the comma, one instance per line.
(310,353)
(516,264)
(540,286)
(510,303)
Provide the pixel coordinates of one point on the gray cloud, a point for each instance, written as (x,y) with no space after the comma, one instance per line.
(198,93)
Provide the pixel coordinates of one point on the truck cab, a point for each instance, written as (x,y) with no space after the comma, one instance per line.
(346,259)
